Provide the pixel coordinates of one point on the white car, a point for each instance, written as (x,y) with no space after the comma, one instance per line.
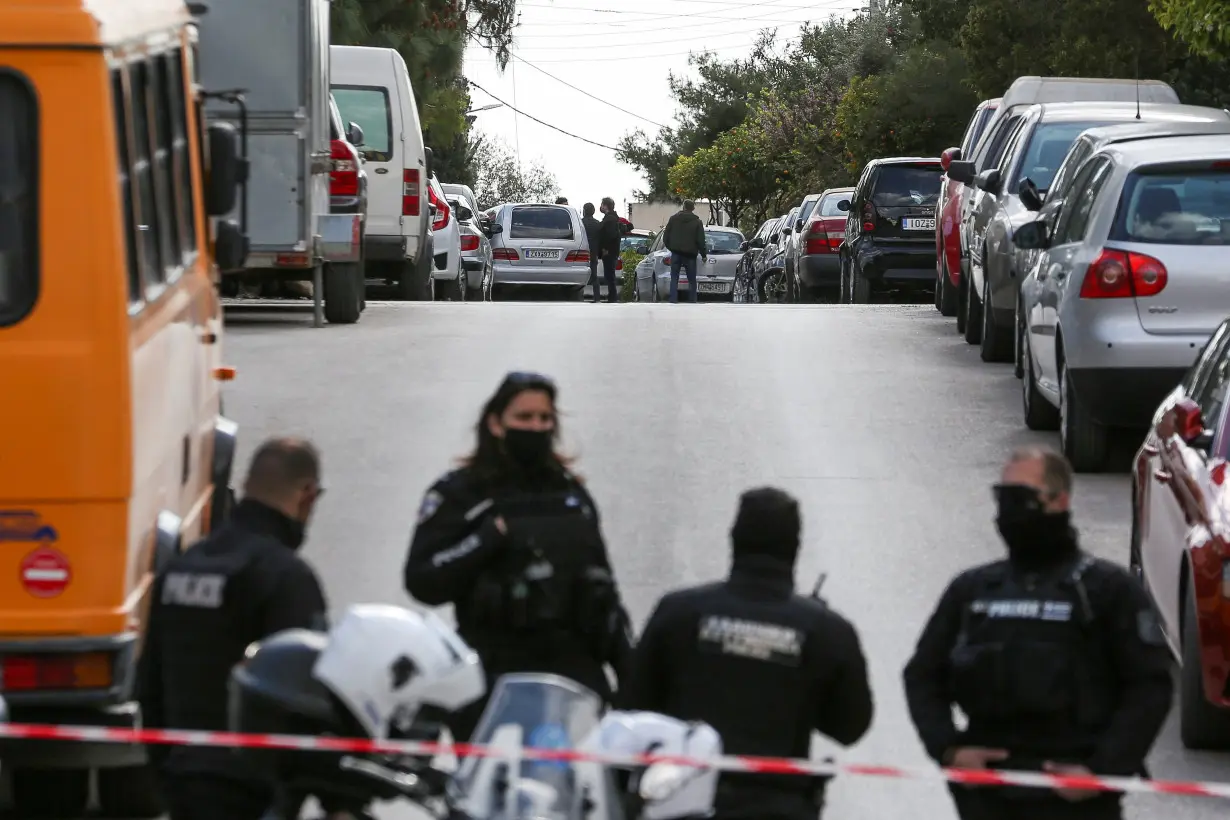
(448,277)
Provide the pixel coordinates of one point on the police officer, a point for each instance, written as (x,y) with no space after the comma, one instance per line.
(512,540)
(1056,658)
(762,665)
(241,584)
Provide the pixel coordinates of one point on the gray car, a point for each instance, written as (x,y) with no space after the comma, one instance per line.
(716,277)
(476,256)
(536,244)
(1128,286)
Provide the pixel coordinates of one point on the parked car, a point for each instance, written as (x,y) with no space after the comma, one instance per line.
(345,297)
(476,258)
(890,227)
(1034,152)
(537,244)
(773,283)
(793,241)
(448,275)
(638,240)
(745,271)
(948,215)
(1181,533)
(716,277)
(819,259)
(1129,285)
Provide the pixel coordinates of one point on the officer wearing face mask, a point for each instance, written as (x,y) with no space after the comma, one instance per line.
(243,583)
(1055,657)
(512,540)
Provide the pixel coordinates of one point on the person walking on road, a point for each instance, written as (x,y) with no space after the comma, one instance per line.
(760,664)
(612,232)
(593,234)
(684,237)
(1057,659)
(241,584)
(512,540)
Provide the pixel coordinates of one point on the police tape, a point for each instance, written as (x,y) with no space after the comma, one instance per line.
(727,763)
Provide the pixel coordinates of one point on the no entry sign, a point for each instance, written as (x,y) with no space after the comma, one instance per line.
(45,573)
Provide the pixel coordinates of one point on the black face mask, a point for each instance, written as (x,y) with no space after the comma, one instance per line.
(529,448)
(1034,536)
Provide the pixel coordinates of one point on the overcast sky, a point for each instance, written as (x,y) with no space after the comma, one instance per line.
(621,53)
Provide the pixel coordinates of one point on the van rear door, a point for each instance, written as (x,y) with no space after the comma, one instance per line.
(364,91)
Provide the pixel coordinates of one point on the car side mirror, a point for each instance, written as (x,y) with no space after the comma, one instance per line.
(428,162)
(773,237)
(495,228)
(844,206)
(962,171)
(949,156)
(1032,236)
(354,133)
(230,245)
(1029,194)
(464,214)
(227,169)
(743,246)
(642,249)
(758,242)
(798,225)
(988,180)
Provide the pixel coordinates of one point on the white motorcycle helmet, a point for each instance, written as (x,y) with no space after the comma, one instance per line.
(386,662)
(670,791)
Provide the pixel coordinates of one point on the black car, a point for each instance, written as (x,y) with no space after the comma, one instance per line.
(890,227)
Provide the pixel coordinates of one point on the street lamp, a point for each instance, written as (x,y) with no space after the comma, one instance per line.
(484,108)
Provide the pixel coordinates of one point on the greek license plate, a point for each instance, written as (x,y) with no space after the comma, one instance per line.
(540,253)
(711,287)
(918,224)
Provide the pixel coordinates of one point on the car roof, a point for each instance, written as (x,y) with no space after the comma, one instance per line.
(828,191)
(1178,149)
(1152,129)
(1077,111)
(722,229)
(904,160)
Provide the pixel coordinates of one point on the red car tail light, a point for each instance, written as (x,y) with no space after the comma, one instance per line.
(1122,274)
(506,254)
(469,242)
(410,203)
(869,218)
(577,256)
(344,178)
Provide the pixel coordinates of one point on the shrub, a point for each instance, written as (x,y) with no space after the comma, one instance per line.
(631,259)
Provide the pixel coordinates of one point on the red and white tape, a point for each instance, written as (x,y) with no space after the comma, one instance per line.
(728,763)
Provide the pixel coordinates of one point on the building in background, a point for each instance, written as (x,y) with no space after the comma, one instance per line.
(652,216)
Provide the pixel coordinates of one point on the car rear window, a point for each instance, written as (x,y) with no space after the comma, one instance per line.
(1185,208)
(807,208)
(18,198)
(543,222)
(828,207)
(1048,145)
(368,107)
(906,185)
(723,241)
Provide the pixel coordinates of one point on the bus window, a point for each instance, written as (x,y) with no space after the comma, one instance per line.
(164,166)
(152,262)
(122,135)
(177,110)
(19,253)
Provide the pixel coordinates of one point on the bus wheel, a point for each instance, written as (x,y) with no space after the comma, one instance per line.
(130,791)
(50,794)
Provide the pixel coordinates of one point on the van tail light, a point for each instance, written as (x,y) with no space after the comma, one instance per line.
(469,242)
(869,218)
(410,201)
(344,178)
(577,256)
(1122,274)
(30,673)
(819,240)
(506,254)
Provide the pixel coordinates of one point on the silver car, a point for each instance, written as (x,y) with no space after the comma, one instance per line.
(476,255)
(716,277)
(535,244)
(1126,289)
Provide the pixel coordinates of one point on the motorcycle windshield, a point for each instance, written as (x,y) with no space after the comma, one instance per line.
(551,712)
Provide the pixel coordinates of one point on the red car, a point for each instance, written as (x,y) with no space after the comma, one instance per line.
(948,214)
(1180,547)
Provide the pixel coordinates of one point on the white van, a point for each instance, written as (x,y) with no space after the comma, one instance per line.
(372,88)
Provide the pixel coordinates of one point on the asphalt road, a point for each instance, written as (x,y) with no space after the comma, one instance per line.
(879,418)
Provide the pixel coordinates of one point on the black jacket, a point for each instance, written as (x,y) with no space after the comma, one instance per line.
(763,666)
(1135,663)
(593,234)
(239,585)
(611,233)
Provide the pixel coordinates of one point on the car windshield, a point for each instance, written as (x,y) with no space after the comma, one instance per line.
(540,222)
(723,241)
(1047,148)
(828,207)
(632,241)
(1190,208)
(899,185)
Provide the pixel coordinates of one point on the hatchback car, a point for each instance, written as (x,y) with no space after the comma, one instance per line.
(716,277)
(475,247)
(948,214)
(1128,286)
(1181,533)
(535,244)
(819,261)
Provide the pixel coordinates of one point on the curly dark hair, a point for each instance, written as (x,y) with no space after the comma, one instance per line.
(488,457)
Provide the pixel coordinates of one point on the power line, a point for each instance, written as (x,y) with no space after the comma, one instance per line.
(540,122)
(583,91)
(671,41)
(723,50)
(651,17)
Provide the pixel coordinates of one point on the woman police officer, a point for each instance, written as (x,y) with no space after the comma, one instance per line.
(512,540)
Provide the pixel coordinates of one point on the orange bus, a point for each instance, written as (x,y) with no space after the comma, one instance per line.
(113,449)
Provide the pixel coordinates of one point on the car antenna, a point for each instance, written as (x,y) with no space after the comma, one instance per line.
(1138,85)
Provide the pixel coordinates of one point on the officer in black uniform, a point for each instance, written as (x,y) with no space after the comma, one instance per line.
(761,664)
(1056,658)
(512,540)
(241,584)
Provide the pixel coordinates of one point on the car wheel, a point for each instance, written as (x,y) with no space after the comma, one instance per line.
(1201,724)
(938,275)
(344,286)
(948,291)
(973,315)
(1018,348)
(653,294)
(1040,414)
(995,344)
(962,299)
(49,793)
(860,286)
(1084,441)
(131,791)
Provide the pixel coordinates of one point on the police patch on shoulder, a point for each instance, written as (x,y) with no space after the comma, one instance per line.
(1149,628)
(431,503)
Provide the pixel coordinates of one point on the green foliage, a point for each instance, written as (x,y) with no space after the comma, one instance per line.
(1203,25)
(628,287)
(500,178)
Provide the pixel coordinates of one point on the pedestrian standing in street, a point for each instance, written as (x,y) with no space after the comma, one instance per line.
(593,234)
(760,664)
(241,584)
(612,233)
(1056,658)
(684,237)
(512,540)
(561,200)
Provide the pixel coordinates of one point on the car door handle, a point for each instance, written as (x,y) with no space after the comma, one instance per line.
(1163,476)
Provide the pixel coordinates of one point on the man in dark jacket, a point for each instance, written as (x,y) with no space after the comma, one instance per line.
(243,583)
(611,233)
(760,664)
(684,237)
(593,234)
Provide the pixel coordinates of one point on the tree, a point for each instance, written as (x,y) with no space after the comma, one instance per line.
(499,178)
(736,174)
(1203,25)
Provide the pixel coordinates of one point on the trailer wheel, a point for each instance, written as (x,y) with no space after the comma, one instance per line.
(130,791)
(344,284)
(50,794)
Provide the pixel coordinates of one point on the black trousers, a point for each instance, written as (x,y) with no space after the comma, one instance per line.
(594,260)
(608,273)
(990,803)
(212,797)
